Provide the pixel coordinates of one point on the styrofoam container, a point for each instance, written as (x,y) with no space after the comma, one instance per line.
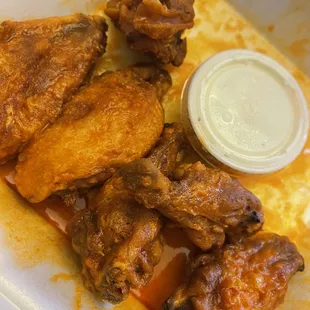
(38,269)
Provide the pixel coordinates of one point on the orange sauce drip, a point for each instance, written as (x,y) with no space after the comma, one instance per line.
(169,273)
(52,209)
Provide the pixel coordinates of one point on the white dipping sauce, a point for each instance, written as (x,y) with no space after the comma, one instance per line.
(245,111)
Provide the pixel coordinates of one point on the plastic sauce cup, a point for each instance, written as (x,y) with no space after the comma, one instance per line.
(244,113)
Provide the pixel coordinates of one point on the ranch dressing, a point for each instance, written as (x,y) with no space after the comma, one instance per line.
(243,112)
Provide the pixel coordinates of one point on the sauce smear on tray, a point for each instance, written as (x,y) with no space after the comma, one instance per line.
(168,274)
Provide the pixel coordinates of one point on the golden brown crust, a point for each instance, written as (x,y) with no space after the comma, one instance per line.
(206,202)
(42,63)
(253,274)
(154,27)
(115,120)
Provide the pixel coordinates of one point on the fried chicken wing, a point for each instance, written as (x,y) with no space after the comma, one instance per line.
(119,243)
(154,27)
(207,203)
(43,62)
(251,275)
(113,121)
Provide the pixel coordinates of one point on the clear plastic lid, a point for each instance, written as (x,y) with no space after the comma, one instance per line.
(248,111)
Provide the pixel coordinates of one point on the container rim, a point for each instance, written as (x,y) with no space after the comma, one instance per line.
(250,166)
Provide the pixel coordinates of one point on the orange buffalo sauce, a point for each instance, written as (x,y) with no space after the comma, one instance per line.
(52,209)
(168,274)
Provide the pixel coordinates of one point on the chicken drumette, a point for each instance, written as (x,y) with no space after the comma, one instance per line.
(116,119)
(119,243)
(43,62)
(154,27)
(207,203)
(253,274)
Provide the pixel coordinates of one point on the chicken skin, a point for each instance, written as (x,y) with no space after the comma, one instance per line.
(119,240)
(109,123)
(207,203)
(119,243)
(43,62)
(154,27)
(159,78)
(251,275)
(168,152)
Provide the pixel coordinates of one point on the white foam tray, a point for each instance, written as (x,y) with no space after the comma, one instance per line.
(28,289)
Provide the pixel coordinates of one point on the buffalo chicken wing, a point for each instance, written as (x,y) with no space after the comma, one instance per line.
(251,275)
(43,62)
(109,123)
(207,203)
(119,243)
(154,27)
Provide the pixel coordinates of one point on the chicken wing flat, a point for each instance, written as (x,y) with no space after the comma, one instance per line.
(115,120)
(43,62)
(154,27)
(252,275)
(119,243)
(207,203)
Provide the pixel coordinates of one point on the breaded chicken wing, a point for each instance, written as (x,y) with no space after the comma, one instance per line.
(109,123)
(251,275)
(154,27)
(207,203)
(42,63)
